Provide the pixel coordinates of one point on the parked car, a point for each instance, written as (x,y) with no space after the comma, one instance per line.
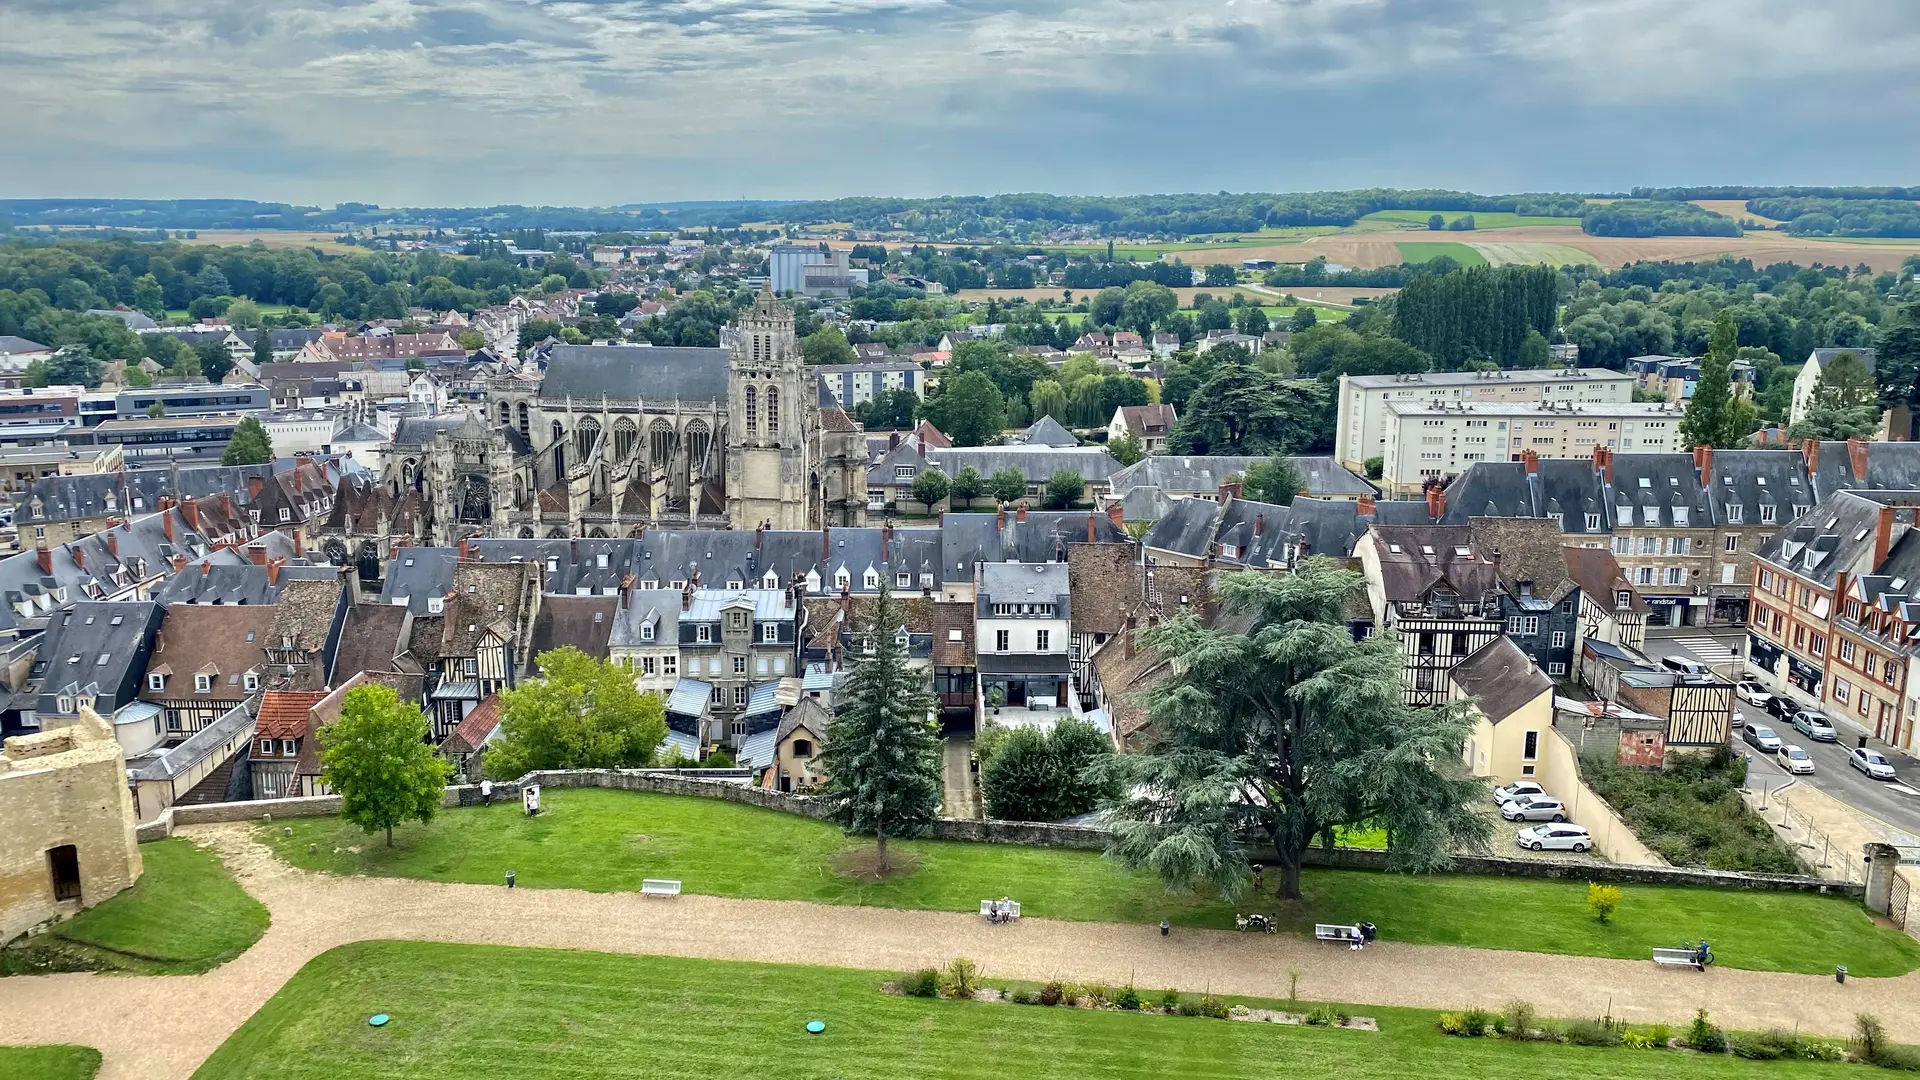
(1795,760)
(1537,808)
(1779,708)
(1752,692)
(1517,789)
(1560,836)
(1814,726)
(1760,737)
(1872,762)
(1685,666)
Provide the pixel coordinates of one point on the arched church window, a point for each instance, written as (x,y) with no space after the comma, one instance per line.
(559,432)
(660,442)
(625,435)
(753,414)
(586,434)
(699,439)
(773,411)
(526,423)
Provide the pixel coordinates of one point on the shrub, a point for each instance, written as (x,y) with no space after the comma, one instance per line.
(1821,1050)
(1128,998)
(1052,994)
(1517,1017)
(961,978)
(1703,1036)
(1473,1022)
(1043,776)
(1025,997)
(1869,1037)
(1636,1040)
(1189,1008)
(1602,900)
(1500,1025)
(1326,1016)
(1453,1024)
(922,983)
(1691,812)
(1752,1047)
(1097,996)
(1169,1000)
(1594,1032)
(1072,993)
(1662,1036)
(1214,1007)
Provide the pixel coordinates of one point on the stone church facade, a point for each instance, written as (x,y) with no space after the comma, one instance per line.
(611,440)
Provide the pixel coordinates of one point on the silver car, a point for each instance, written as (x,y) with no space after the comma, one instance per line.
(1561,836)
(1871,762)
(1517,790)
(1795,760)
(1760,737)
(1538,808)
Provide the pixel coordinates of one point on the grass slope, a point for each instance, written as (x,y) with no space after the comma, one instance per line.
(1422,251)
(610,840)
(185,915)
(49,1062)
(467,1010)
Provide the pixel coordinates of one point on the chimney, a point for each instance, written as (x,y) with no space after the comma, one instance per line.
(1531,461)
(1365,506)
(273,571)
(179,564)
(1000,518)
(1857,456)
(206,567)
(113,543)
(1090,520)
(886,537)
(191,510)
(923,447)
(1259,524)
(1020,514)
(255,485)
(1603,460)
(893,441)
(1436,502)
(1810,453)
(826,542)
(166,524)
(1117,514)
(45,557)
(1882,536)
(299,547)
(78,555)
(1229,491)
(226,505)
(759,534)
(1703,462)
(463,550)
(257,555)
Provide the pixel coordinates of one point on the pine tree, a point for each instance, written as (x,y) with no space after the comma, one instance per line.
(882,755)
(1710,415)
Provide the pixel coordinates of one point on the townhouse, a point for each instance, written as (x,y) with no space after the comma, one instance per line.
(1441,593)
(206,661)
(1022,626)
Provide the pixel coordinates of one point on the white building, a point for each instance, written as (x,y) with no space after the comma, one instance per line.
(1363,398)
(1809,377)
(1428,440)
(1023,626)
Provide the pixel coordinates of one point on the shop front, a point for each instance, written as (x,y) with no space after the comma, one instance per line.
(1803,676)
(1677,610)
(1763,655)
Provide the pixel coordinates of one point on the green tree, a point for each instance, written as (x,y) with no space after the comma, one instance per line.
(1304,318)
(827,345)
(968,407)
(1535,352)
(262,347)
(553,283)
(1108,308)
(215,361)
(157,410)
(1279,734)
(1146,305)
(1032,775)
(1710,414)
(376,758)
(71,365)
(149,297)
(1896,369)
(882,753)
(1126,450)
(136,376)
(967,485)
(1251,321)
(888,410)
(1243,410)
(1273,480)
(581,713)
(1436,222)
(1845,383)
(1220,275)
(930,487)
(1065,489)
(243,314)
(471,340)
(1008,485)
(249,444)
(1048,399)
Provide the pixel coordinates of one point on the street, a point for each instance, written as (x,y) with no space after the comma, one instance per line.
(1895,804)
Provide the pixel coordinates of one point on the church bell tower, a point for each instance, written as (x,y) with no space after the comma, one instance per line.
(770,420)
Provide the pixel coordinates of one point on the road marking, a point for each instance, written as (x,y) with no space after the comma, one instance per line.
(1902,789)
(1708,650)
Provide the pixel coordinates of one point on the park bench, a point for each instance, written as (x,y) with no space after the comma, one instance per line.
(1676,958)
(1346,935)
(658,887)
(1007,910)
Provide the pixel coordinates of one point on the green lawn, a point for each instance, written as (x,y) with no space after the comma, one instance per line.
(470,1010)
(1481,220)
(1423,251)
(49,1062)
(609,841)
(185,915)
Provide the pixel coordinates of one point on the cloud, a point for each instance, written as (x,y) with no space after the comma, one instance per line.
(432,102)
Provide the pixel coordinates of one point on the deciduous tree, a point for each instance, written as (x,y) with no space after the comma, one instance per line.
(581,713)
(1126,450)
(1008,485)
(1273,480)
(930,487)
(968,407)
(248,445)
(1065,489)
(967,485)
(376,758)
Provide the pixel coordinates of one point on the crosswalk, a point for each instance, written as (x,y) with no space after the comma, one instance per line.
(1708,650)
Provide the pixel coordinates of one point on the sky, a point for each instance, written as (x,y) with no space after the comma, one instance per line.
(604,102)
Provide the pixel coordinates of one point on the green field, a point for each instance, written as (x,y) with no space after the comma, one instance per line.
(609,841)
(1491,220)
(185,915)
(1420,252)
(460,1011)
(49,1062)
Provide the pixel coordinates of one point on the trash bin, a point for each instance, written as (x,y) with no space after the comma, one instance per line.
(1165,927)
(1840,973)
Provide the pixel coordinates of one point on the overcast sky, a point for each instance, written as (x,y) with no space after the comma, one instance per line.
(463,102)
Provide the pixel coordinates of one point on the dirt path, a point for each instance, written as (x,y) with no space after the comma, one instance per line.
(959,797)
(163,1028)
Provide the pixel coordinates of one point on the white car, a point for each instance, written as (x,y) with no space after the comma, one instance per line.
(1555,836)
(1795,760)
(1536,808)
(1752,692)
(1871,762)
(1516,790)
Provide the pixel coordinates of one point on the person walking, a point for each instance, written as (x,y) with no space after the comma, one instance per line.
(486,793)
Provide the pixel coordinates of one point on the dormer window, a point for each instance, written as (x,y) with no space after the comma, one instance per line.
(1593,522)
(600,560)
(704,634)
(771,581)
(770,633)
(1768,512)
(646,632)
(735,583)
(436,605)
(813,581)
(1735,513)
(66,704)
(841,579)
(202,683)
(870,580)
(156,681)
(903,581)
(253,680)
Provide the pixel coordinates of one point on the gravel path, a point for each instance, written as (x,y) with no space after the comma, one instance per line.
(162,1028)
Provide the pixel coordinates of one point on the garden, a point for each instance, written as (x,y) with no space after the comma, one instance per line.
(608,841)
(1691,812)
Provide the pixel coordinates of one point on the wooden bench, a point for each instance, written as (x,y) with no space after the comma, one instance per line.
(1346,935)
(1676,958)
(658,887)
(1008,910)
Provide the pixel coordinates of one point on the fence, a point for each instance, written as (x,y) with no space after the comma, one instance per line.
(1813,846)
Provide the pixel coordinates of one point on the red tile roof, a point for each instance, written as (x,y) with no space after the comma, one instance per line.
(283,713)
(473,732)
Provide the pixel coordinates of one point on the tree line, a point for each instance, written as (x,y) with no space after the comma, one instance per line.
(1809,216)
(1480,314)
(1654,218)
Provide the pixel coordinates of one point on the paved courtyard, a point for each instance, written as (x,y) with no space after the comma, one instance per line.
(162,1028)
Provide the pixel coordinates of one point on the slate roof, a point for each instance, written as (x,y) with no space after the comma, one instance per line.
(630,373)
(1893,466)
(305,614)
(1598,574)
(95,649)
(1142,420)
(11,344)
(1416,560)
(483,597)
(1567,489)
(1500,678)
(99,564)
(661,607)
(240,584)
(1035,463)
(370,640)
(1823,357)
(1757,478)
(583,622)
(1837,535)
(418,574)
(1047,431)
(1657,491)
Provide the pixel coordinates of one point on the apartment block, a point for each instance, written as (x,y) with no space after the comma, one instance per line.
(1426,441)
(1364,398)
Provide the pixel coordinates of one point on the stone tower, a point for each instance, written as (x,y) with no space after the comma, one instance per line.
(772,424)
